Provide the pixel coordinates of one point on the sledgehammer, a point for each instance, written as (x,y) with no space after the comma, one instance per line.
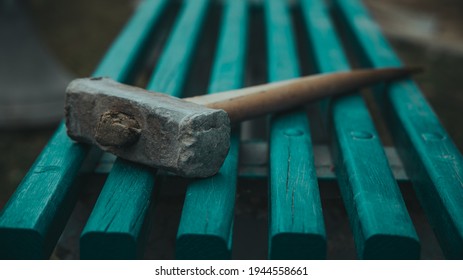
(190,137)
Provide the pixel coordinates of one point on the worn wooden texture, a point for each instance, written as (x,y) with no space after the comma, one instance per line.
(33,219)
(121,211)
(381,225)
(431,159)
(120,233)
(206,225)
(296,227)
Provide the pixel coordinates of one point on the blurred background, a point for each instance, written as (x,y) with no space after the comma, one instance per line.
(46,43)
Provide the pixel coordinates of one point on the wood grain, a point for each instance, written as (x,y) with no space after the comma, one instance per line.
(296,227)
(206,225)
(121,211)
(431,159)
(378,216)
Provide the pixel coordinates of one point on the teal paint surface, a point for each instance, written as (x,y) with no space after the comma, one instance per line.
(296,227)
(119,232)
(178,52)
(120,211)
(431,159)
(206,225)
(34,217)
(125,53)
(380,223)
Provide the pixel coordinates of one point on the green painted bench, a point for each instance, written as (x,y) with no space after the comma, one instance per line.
(236,43)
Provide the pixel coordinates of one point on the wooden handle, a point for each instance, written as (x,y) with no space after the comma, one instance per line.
(255,101)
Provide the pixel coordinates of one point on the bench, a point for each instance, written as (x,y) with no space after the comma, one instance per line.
(236,43)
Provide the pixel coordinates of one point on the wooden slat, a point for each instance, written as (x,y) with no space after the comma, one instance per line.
(379,219)
(32,220)
(35,215)
(125,53)
(179,49)
(431,159)
(296,227)
(113,234)
(205,230)
(127,190)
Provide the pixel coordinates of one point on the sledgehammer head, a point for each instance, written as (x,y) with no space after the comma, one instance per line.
(148,127)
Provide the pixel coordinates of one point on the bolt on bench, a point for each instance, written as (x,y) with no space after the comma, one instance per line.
(172,36)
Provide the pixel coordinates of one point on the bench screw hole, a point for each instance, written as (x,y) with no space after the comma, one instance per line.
(432,136)
(362,135)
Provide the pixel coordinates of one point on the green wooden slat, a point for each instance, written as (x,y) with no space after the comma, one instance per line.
(131,187)
(179,49)
(296,227)
(125,53)
(110,225)
(379,219)
(431,159)
(206,225)
(32,220)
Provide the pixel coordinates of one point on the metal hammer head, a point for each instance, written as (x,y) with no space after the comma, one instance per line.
(147,127)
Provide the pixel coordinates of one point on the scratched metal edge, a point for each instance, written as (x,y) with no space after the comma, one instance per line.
(296,225)
(431,159)
(206,225)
